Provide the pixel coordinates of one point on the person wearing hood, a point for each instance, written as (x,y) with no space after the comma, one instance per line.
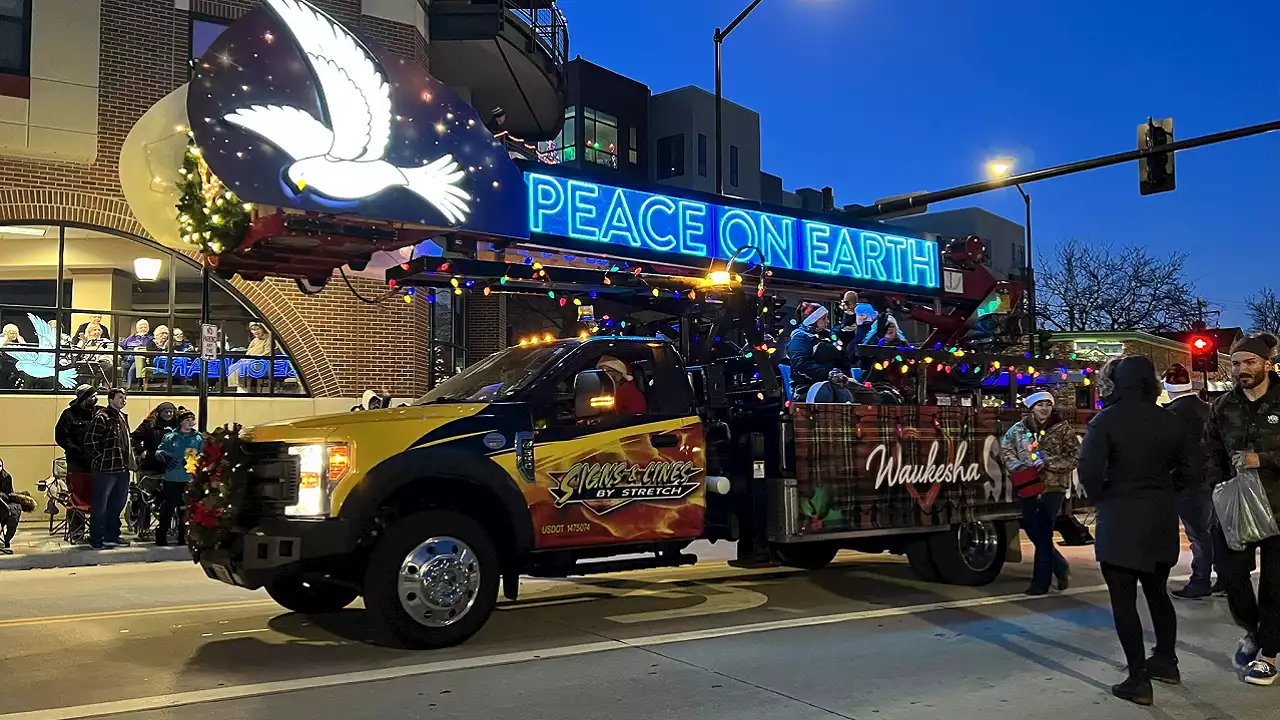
(69,433)
(1106,386)
(813,357)
(1043,445)
(1135,457)
(173,453)
(147,437)
(1243,432)
(1195,503)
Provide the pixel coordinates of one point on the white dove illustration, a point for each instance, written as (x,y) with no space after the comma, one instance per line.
(346,162)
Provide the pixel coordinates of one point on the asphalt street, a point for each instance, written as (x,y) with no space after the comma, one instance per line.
(862,639)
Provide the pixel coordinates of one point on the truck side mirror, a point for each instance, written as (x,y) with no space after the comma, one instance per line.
(589,396)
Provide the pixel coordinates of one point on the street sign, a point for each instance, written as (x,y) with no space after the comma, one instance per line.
(209,342)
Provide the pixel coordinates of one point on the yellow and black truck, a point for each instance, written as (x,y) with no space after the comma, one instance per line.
(615,450)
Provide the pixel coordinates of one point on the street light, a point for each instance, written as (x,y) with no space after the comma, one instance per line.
(1000,168)
(719,37)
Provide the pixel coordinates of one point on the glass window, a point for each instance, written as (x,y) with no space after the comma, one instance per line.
(702,155)
(562,148)
(448,353)
(128,315)
(29,271)
(15,37)
(203,33)
(670,156)
(733,165)
(600,130)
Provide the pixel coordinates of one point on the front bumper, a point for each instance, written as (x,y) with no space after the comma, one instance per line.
(279,547)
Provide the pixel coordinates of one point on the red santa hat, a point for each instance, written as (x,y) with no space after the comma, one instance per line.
(1177,379)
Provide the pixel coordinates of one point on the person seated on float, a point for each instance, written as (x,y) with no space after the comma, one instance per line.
(627,398)
(813,357)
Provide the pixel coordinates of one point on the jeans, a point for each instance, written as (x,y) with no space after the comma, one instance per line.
(1122,583)
(1195,507)
(171,504)
(110,491)
(1039,517)
(1259,616)
(10,514)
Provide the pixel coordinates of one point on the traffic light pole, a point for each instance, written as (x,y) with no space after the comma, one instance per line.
(917,201)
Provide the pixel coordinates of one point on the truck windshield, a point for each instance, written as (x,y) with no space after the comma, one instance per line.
(498,376)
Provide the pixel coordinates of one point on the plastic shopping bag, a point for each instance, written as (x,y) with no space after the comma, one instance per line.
(1243,510)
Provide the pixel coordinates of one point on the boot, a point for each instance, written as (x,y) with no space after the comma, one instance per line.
(1136,689)
(1164,669)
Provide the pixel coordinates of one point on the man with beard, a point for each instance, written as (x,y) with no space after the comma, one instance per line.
(1243,432)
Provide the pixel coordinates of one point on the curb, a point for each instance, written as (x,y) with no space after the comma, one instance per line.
(86,557)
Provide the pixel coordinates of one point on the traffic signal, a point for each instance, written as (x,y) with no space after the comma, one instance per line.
(1204,352)
(1155,172)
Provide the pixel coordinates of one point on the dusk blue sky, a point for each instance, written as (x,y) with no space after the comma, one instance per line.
(879,98)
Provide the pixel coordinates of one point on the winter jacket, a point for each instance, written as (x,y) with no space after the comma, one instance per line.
(6,486)
(173,453)
(807,369)
(107,441)
(1194,414)
(1135,457)
(1054,448)
(69,434)
(146,441)
(1236,425)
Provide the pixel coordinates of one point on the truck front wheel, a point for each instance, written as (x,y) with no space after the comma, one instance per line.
(971,553)
(807,555)
(304,596)
(433,579)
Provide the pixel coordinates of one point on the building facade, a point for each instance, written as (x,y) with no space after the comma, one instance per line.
(76,78)
(1005,239)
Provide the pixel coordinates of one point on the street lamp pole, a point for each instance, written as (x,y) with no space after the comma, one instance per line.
(719,37)
(1028,272)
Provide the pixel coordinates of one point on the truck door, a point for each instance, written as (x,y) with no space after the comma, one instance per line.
(636,472)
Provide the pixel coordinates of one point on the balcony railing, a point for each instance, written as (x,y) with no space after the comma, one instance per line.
(545,23)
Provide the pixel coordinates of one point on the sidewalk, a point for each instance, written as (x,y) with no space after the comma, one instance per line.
(34,547)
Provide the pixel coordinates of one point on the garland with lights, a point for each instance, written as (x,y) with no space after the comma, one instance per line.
(210,216)
(220,479)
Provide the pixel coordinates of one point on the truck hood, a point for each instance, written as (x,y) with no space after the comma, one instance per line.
(342,425)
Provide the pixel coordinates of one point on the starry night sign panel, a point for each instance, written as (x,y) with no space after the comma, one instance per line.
(291,108)
(587,213)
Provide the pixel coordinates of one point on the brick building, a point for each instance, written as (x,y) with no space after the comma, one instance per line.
(1162,351)
(77,77)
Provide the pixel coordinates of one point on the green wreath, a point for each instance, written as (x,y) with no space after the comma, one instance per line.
(210,216)
(220,480)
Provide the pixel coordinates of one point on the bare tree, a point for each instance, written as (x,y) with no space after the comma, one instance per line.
(1264,311)
(1091,286)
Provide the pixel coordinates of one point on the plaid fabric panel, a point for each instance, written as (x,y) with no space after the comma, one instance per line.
(837,464)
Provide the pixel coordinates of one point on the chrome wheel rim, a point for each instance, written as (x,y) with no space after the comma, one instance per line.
(439,581)
(979,545)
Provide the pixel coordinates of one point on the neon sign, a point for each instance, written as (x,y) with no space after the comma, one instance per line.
(256,368)
(590,212)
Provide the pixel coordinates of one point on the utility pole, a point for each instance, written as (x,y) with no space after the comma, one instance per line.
(719,37)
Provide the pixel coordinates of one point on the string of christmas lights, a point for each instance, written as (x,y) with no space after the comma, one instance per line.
(210,216)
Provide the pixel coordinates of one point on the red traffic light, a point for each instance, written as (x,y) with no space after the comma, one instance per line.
(1200,343)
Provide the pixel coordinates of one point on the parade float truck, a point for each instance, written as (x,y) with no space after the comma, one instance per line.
(310,149)
(521,465)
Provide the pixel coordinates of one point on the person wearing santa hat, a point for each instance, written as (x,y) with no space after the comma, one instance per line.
(812,356)
(1195,503)
(1243,432)
(1042,449)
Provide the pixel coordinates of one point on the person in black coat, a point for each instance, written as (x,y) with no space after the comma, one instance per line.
(1195,503)
(1135,457)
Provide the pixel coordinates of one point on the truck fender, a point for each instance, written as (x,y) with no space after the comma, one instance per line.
(436,464)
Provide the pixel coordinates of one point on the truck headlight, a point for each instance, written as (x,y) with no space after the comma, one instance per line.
(320,469)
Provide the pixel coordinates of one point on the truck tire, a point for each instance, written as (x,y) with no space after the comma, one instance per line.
(807,555)
(432,581)
(969,554)
(921,562)
(309,597)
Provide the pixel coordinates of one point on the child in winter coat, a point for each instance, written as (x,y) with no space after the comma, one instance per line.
(173,453)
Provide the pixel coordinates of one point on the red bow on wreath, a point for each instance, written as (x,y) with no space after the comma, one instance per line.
(204,517)
(212,454)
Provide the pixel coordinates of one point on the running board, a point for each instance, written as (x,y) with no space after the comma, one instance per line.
(612,566)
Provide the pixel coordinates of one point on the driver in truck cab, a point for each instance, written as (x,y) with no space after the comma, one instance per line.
(627,398)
